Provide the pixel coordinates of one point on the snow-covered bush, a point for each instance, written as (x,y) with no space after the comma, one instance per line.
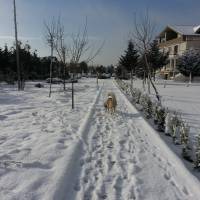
(176,130)
(168,127)
(175,123)
(197,152)
(184,140)
(172,126)
(136,94)
(147,105)
(159,114)
(179,131)
(124,86)
(184,133)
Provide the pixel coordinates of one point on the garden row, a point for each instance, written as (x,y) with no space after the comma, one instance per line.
(168,122)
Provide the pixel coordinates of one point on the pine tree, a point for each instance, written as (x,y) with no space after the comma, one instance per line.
(189,63)
(83,67)
(156,58)
(130,59)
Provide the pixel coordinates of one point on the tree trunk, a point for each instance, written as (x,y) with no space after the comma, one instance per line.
(148,83)
(97,79)
(156,91)
(154,87)
(64,74)
(190,80)
(50,73)
(72,91)
(154,75)
(131,80)
(143,81)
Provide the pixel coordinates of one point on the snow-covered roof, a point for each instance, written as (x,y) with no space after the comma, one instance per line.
(184,29)
(197,29)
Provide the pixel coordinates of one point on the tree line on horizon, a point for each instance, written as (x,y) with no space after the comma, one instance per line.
(34,67)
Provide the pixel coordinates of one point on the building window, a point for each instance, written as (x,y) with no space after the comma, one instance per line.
(176,50)
(172,63)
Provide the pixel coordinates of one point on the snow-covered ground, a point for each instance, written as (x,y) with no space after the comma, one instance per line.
(38,134)
(51,152)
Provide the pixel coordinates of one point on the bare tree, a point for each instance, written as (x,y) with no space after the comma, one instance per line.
(142,35)
(50,38)
(61,48)
(81,46)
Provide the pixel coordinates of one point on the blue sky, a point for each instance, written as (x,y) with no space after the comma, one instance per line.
(109,20)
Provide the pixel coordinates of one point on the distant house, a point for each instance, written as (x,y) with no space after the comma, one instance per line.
(176,40)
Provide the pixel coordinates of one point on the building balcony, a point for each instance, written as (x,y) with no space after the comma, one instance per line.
(171,42)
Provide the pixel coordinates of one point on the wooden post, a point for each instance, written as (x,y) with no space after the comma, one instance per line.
(17,50)
(97,78)
(72,91)
(190,80)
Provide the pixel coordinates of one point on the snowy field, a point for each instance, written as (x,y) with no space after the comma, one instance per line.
(50,152)
(38,134)
(178,97)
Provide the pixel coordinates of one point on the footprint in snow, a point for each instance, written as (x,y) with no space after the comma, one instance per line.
(62,141)
(122,155)
(136,169)
(102,193)
(142,150)
(139,181)
(133,160)
(99,163)
(107,127)
(173,183)
(88,159)
(154,155)
(87,196)
(88,170)
(102,196)
(167,176)
(132,194)
(185,190)
(85,179)
(118,186)
(77,185)
(82,162)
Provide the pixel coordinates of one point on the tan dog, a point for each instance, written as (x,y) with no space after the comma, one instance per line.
(111,103)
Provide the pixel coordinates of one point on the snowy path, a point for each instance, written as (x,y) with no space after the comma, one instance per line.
(123,158)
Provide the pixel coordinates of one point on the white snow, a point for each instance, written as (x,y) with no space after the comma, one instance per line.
(37,137)
(50,152)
